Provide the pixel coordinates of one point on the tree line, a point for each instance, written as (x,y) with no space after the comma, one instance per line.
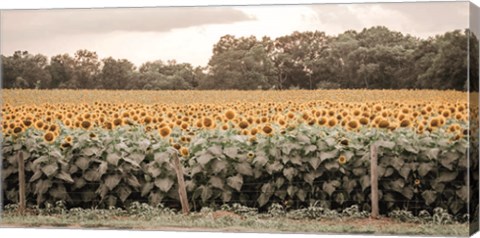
(374,58)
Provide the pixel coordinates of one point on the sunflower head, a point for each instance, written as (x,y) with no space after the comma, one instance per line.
(117,122)
(86,124)
(364,120)
(177,146)
(184,151)
(332,122)
(322,121)
(342,159)
(405,123)
(68,139)
(49,137)
(353,124)
(207,122)
(65,145)
(39,124)
(243,124)
(230,114)
(267,129)
(383,123)
(435,122)
(165,131)
(27,123)
(417,182)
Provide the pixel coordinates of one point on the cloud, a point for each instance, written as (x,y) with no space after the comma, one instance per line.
(35,23)
(416,18)
(187,34)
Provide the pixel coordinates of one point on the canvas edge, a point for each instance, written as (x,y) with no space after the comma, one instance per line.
(474,32)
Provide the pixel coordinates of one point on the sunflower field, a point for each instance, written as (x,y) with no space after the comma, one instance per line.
(112,148)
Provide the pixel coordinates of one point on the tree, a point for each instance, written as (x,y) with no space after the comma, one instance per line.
(474,61)
(169,76)
(116,74)
(240,63)
(86,69)
(25,70)
(61,69)
(449,63)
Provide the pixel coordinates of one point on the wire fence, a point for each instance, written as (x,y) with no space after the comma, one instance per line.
(252,189)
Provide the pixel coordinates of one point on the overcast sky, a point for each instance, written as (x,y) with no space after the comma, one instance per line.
(187,34)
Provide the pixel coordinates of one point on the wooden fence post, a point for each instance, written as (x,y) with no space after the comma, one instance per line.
(21,184)
(374,180)
(182,190)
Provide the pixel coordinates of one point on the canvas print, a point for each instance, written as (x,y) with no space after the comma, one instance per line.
(320,118)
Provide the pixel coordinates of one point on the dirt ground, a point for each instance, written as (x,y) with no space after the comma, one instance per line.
(223,221)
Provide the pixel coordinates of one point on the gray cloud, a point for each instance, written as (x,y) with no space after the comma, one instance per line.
(18,24)
(417,18)
(431,16)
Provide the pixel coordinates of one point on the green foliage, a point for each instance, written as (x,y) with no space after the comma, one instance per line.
(373,58)
(118,167)
(240,209)
(439,217)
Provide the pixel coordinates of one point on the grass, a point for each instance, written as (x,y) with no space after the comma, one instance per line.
(230,222)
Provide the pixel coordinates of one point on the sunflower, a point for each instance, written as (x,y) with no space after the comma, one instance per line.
(405,123)
(356,112)
(453,127)
(332,122)
(207,122)
(267,129)
(417,182)
(147,120)
(364,120)
(290,115)
(230,114)
(165,131)
(108,125)
(177,146)
(86,124)
(383,123)
(17,130)
(353,124)
(117,122)
(65,145)
(184,151)
(342,159)
(49,137)
(250,155)
(458,136)
(68,139)
(53,128)
(27,123)
(322,121)
(67,122)
(39,125)
(243,124)
(435,122)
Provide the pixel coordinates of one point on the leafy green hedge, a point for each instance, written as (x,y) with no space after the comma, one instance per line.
(114,168)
